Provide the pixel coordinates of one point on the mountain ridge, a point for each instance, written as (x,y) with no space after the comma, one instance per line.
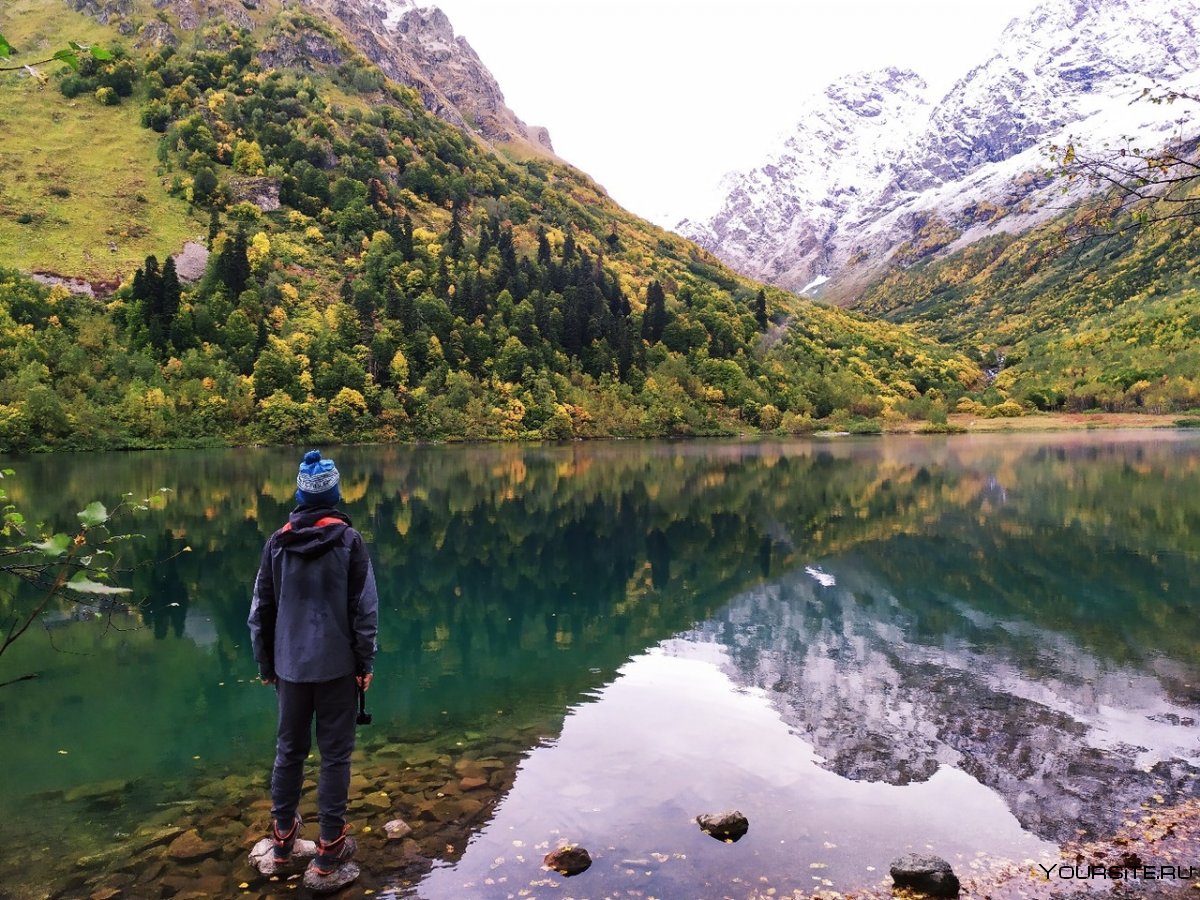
(1068,70)
(413,44)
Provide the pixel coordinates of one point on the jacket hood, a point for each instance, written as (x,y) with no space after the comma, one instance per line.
(312,530)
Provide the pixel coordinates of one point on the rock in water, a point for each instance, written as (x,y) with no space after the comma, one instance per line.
(102,793)
(727,826)
(930,875)
(262,855)
(397,829)
(568,860)
(325,884)
(189,847)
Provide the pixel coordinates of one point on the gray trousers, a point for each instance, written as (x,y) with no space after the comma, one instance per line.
(335,706)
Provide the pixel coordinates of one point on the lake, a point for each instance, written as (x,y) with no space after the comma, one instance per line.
(978,646)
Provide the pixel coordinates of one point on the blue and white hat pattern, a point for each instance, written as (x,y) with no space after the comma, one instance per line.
(316,475)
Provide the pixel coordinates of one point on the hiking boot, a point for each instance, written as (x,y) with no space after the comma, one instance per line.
(285,842)
(331,854)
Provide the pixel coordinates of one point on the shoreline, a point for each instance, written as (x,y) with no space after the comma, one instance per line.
(957,423)
(1062,421)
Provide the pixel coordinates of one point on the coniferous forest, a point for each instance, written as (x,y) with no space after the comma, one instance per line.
(372,273)
(375,274)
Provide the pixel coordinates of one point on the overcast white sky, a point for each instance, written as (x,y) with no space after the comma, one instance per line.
(657,99)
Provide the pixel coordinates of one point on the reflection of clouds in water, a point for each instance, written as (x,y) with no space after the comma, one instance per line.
(1124,710)
(822,578)
(200,630)
(673,737)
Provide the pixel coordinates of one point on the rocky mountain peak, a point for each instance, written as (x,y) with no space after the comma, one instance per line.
(412,42)
(868,93)
(415,44)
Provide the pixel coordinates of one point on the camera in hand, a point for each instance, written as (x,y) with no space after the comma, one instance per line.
(364,717)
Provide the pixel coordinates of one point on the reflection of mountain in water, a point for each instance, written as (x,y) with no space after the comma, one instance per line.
(1070,740)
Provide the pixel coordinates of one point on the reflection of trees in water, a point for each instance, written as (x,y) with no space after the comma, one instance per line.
(517,569)
(165,591)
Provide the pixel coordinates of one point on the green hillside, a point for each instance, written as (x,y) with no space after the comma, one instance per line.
(81,192)
(1109,322)
(409,282)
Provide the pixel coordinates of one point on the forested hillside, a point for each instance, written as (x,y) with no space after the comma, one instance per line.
(1071,319)
(374,274)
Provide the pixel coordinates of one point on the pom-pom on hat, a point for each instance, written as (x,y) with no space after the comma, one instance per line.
(317,481)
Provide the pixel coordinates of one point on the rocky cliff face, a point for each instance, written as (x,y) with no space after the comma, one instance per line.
(413,45)
(875,172)
(416,46)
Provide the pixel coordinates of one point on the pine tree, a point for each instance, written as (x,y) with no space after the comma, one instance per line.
(454,240)
(654,320)
(508,254)
(170,293)
(485,244)
(443,279)
(543,250)
(404,238)
(148,288)
(233,265)
(214,227)
(760,310)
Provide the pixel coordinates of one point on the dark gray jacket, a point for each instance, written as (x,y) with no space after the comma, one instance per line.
(315,612)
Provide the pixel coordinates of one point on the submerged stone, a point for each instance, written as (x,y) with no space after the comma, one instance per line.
(727,826)
(568,860)
(191,846)
(145,838)
(397,829)
(378,801)
(100,793)
(930,875)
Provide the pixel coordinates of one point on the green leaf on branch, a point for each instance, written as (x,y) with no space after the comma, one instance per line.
(84,585)
(54,546)
(93,514)
(69,57)
(100,53)
(6,49)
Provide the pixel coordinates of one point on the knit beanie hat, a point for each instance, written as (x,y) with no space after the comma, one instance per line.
(317,481)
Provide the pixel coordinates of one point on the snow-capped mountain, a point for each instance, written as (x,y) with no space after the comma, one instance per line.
(873,164)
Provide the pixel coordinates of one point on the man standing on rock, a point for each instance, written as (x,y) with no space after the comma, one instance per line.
(313,623)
